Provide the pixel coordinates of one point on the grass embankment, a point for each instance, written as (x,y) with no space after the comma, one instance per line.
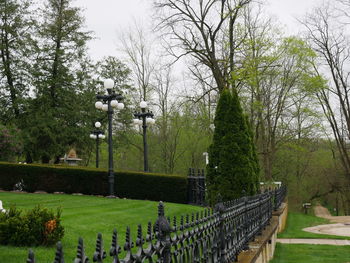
(301,253)
(85,216)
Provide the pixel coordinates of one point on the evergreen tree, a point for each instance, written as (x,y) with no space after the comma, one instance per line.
(233,167)
(61,114)
(15,39)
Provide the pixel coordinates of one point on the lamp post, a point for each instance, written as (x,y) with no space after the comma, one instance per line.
(97,135)
(143,118)
(107,103)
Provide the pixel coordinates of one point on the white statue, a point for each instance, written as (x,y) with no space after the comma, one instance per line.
(1,208)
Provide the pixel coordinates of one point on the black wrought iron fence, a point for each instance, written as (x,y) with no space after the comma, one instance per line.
(196,186)
(279,196)
(214,235)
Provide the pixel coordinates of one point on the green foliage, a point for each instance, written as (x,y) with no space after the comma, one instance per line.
(233,167)
(10,143)
(38,226)
(144,186)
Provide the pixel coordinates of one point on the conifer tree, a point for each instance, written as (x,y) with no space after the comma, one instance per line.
(15,39)
(59,116)
(233,167)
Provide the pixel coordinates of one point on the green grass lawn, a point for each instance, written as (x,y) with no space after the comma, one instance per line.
(297,221)
(85,216)
(302,253)
(298,253)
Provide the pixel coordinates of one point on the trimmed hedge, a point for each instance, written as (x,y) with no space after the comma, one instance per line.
(91,181)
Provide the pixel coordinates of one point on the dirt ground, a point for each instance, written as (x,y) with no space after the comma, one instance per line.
(323,212)
(340,224)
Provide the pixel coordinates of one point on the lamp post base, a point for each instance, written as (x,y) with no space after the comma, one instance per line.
(112,196)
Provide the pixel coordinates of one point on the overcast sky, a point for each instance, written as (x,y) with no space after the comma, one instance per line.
(108,17)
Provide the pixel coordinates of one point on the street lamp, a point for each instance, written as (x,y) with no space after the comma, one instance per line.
(97,135)
(143,118)
(107,103)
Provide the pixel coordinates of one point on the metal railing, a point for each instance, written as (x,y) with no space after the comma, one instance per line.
(279,196)
(214,235)
(196,186)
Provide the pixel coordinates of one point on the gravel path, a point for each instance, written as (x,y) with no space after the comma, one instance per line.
(340,228)
(334,242)
(323,212)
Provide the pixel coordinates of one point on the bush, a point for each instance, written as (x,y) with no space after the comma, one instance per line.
(135,185)
(38,226)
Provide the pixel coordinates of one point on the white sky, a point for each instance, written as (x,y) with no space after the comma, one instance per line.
(108,17)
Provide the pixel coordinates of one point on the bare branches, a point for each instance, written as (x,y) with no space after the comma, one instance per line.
(327,37)
(199,29)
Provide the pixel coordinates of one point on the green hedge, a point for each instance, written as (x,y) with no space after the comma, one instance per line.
(134,185)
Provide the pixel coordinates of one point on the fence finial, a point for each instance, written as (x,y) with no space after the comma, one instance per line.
(115,248)
(81,257)
(99,254)
(31,258)
(128,246)
(59,253)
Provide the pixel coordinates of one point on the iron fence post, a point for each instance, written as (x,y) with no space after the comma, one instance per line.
(202,187)
(198,188)
(164,229)
(245,225)
(276,199)
(220,208)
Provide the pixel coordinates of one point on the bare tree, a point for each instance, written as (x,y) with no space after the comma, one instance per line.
(269,79)
(327,38)
(203,29)
(138,49)
(326,31)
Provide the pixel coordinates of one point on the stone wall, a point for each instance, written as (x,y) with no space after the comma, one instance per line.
(262,249)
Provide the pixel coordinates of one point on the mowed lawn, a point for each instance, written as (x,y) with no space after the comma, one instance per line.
(296,222)
(300,253)
(85,216)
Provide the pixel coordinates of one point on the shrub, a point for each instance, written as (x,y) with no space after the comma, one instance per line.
(135,185)
(38,226)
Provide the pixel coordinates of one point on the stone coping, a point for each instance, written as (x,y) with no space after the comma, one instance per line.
(280,210)
(256,247)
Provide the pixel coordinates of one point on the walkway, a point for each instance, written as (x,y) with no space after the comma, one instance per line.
(340,228)
(310,241)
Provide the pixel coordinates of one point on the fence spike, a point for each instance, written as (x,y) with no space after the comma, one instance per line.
(99,254)
(149,236)
(174,223)
(139,240)
(31,258)
(128,246)
(182,225)
(59,258)
(139,243)
(115,248)
(160,209)
(81,257)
